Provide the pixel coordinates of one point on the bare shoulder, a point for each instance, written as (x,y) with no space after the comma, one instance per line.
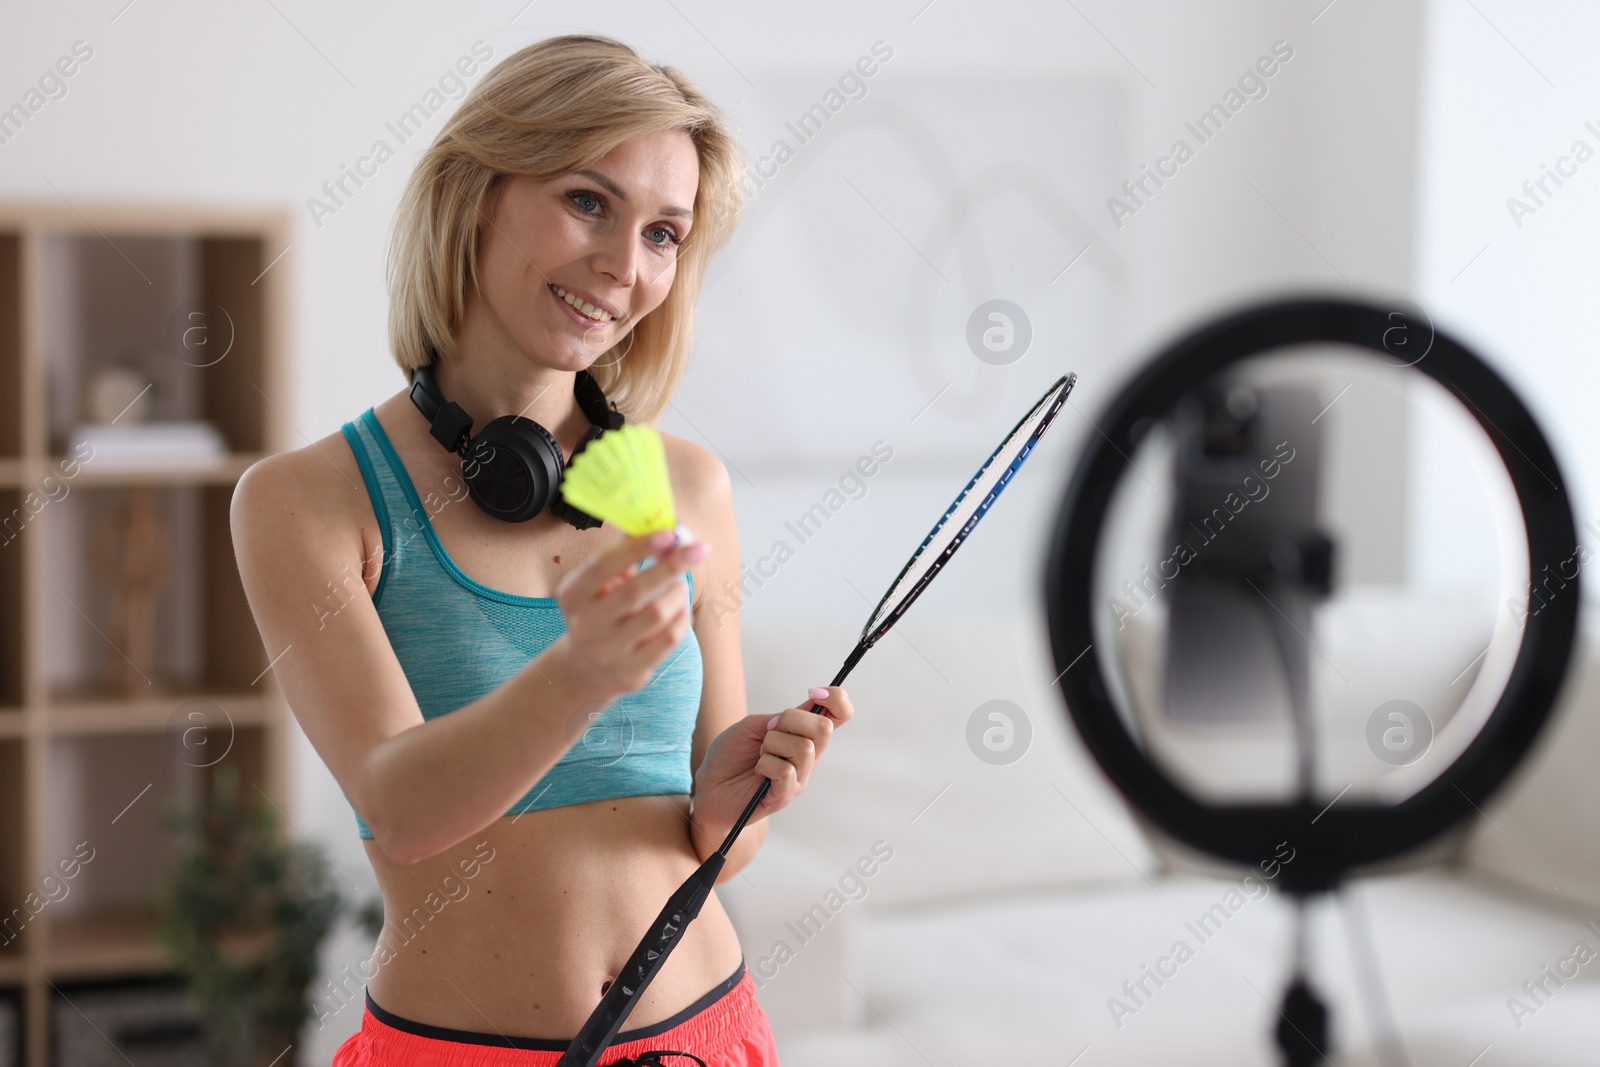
(320,477)
(313,495)
(703,496)
(700,481)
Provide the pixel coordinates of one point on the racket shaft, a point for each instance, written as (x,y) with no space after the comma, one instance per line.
(766,783)
(659,941)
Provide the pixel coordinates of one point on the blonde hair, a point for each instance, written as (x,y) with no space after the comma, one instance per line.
(553,107)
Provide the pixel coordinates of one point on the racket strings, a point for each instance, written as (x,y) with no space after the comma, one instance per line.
(970,504)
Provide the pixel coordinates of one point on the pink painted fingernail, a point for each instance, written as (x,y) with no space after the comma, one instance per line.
(697,551)
(772,722)
(662,539)
(818,693)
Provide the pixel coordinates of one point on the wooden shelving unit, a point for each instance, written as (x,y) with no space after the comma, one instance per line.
(81,760)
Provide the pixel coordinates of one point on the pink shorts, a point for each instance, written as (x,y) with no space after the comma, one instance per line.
(724,1028)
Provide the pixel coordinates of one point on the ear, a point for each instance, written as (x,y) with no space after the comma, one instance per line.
(492,193)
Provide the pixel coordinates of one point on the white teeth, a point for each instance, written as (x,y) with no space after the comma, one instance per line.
(583,306)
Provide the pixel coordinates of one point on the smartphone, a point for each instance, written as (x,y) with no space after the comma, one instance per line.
(1250,558)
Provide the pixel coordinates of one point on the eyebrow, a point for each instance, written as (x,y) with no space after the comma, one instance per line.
(616,190)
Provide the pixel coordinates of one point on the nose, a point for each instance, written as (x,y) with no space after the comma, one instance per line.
(618,258)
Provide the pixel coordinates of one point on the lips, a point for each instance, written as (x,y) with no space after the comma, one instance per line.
(590,312)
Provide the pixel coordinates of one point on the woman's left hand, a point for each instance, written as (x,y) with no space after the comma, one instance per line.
(783,747)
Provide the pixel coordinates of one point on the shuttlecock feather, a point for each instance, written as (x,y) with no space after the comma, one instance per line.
(621,478)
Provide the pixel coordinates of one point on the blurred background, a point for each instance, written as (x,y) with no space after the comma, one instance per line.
(166,159)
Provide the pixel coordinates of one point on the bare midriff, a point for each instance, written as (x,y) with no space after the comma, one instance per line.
(530,919)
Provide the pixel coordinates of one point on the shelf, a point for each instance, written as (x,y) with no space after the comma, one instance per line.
(11,377)
(123,943)
(106,944)
(180,312)
(185,627)
(30,474)
(223,470)
(14,880)
(13,616)
(113,715)
(13,968)
(122,573)
(180,217)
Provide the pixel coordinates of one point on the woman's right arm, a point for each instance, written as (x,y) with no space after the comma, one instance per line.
(423,786)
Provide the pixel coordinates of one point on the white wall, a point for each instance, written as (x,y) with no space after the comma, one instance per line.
(1507,92)
(824,329)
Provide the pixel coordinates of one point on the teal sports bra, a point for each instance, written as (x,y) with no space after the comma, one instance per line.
(457,640)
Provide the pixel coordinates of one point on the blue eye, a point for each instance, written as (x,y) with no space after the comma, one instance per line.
(581,195)
(670,238)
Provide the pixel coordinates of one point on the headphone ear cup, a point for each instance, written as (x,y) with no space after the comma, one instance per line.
(512,468)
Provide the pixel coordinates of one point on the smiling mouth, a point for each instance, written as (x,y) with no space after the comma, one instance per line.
(581,306)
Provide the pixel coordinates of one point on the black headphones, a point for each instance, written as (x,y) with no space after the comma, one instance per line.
(513,466)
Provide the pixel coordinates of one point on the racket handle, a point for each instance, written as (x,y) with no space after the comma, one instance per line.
(647,959)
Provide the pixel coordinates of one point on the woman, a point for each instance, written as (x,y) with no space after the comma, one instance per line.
(541,732)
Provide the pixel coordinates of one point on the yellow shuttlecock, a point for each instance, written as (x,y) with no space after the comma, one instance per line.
(621,478)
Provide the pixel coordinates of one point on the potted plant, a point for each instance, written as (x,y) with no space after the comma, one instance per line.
(242,918)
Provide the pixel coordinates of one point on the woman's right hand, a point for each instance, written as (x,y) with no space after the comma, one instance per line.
(622,621)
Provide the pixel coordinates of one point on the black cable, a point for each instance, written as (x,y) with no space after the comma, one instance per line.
(1304,1030)
(1288,638)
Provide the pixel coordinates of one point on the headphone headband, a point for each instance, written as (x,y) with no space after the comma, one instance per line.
(448,422)
(593,402)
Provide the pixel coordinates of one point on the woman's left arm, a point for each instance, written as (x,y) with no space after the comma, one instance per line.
(733,751)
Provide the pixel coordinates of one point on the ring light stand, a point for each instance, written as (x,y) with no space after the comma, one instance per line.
(1333,842)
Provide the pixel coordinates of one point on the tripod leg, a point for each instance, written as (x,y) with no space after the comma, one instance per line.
(1303,1026)
(1303,1019)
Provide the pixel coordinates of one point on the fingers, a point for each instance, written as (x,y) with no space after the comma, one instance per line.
(799,752)
(835,703)
(632,651)
(655,648)
(655,618)
(805,725)
(618,610)
(585,581)
(646,587)
(785,779)
(620,623)
(795,739)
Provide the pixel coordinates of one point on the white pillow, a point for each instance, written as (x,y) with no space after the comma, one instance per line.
(800,923)
(1540,828)
(903,772)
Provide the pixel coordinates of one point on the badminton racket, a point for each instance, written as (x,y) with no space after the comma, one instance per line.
(947,535)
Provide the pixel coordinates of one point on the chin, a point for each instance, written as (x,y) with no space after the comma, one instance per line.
(543,356)
(580,360)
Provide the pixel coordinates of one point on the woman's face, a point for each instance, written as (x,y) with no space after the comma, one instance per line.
(607,235)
